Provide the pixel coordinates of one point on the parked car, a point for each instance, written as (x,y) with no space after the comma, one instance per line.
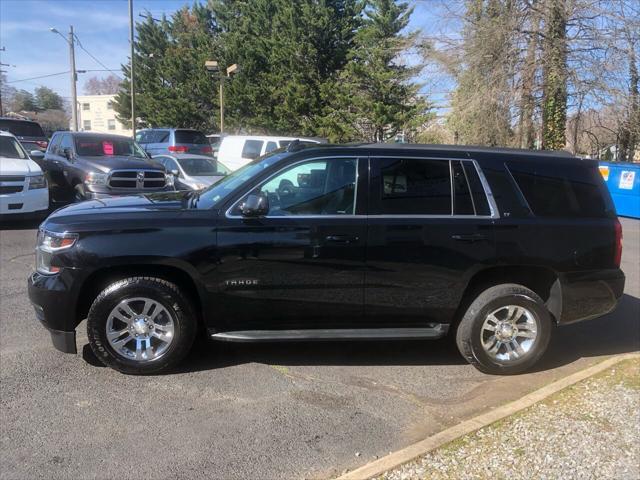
(93,165)
(236,151)
(156,141)
(28,133)
(23,187)
(493,246)
(192,172)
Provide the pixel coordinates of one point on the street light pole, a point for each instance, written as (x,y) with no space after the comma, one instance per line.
(74,79)
(213,67)
(133,92)
(221,105)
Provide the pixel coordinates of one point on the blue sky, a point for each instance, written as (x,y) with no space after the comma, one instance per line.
(103,28)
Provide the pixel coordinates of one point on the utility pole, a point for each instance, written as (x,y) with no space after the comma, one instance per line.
(74,79)
(133,92)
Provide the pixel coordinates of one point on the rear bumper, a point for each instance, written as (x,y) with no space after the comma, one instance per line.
(54,303)
(587,295)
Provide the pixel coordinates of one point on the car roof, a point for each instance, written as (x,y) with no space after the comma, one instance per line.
(24,120)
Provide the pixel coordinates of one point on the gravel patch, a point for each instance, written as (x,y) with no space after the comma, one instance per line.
(591,430)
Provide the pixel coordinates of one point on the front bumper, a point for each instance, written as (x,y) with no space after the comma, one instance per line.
(54,303)
(26,202)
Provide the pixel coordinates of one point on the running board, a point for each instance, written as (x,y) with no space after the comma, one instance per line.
(432,332)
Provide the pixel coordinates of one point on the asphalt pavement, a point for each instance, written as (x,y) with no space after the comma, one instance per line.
(243,411)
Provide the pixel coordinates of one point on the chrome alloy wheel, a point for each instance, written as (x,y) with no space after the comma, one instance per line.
(140,329)
(509,333)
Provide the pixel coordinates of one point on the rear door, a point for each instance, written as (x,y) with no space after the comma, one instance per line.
(429,230)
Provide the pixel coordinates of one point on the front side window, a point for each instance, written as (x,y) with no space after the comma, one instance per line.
(317,187)
(411,187)
(252,149)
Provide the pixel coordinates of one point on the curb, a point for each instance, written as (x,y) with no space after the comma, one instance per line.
(399,457)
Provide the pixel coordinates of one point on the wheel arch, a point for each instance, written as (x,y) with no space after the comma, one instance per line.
(542,280)
(101,278)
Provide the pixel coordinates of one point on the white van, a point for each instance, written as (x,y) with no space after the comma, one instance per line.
(236,151)
(23,187)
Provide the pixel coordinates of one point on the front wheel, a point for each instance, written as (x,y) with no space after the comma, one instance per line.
(141,325)
(505,330)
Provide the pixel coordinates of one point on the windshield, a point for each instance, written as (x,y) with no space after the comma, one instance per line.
(20,128)
(10,148)
(99,146)
(198,167)
(216,194)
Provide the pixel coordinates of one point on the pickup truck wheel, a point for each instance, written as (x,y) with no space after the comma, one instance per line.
(79,193)
(506,330)
(141,325)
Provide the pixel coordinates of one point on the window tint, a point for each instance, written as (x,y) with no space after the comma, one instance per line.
(462,200)
(252,149)
(561,190)
(53,145)
(270,147)
(480,201)
(66,142)
(318,187)
(412,187)
(21,128)
(190,136)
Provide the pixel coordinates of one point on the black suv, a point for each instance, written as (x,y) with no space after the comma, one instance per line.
(29,134)
(495,247)
(85,165)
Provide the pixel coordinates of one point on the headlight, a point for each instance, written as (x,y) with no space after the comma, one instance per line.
(169,179)
(37,181)
(96,178)
(50,243)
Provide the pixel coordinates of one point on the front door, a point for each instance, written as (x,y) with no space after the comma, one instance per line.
(429,230)
(302,265)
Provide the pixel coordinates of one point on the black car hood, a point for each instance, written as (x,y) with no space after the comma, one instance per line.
(108,163)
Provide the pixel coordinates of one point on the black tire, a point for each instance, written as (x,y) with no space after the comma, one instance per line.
(79,193)
(166,294)
(469,334)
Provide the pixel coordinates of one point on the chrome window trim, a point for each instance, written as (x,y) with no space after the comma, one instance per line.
(493,208)
(306,160)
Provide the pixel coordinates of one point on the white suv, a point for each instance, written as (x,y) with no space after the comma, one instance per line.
(23,187)
(236,151)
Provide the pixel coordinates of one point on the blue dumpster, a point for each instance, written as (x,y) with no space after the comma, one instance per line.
(623,182)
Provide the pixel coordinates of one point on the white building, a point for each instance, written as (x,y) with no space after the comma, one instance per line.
(96,114)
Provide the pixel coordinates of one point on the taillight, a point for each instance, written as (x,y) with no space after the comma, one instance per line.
(42,143)
(178,148)
(618,251)
(207,149)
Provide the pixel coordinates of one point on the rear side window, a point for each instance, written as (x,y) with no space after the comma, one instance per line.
(411,187)
(462,199)
(190,136)
(252,149)
(21,128)
(270,147)
(561,190)
(480,202)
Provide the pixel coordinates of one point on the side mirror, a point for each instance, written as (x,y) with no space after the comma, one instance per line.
(67,153)
(175,172)
(36,155)
(256,205)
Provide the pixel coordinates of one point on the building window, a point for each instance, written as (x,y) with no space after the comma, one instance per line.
(87,125)
(111,124)
(86,106)
(109,105)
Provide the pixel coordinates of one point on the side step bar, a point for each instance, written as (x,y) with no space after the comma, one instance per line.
(434,331)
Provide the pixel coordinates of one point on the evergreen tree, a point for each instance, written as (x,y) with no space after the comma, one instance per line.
(373,97)
(23,101)
(47,99)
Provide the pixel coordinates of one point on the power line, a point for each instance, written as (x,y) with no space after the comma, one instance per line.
(36,78)
(92,56)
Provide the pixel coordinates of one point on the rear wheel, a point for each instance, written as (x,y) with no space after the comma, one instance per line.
(506,330)
(141,325)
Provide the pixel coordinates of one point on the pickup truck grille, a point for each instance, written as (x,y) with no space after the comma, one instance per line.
(16,181)
(137,179)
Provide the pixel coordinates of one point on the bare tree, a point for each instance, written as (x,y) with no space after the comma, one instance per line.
(102,86)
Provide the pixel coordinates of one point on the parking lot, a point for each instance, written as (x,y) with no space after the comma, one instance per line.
(252,411)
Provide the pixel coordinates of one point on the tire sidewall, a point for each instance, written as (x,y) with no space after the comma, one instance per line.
(542,320)
(178,308)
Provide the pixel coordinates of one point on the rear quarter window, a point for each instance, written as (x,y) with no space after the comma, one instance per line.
(562,190)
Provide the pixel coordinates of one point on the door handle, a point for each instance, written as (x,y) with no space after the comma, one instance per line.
(343,239)
(471,237)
